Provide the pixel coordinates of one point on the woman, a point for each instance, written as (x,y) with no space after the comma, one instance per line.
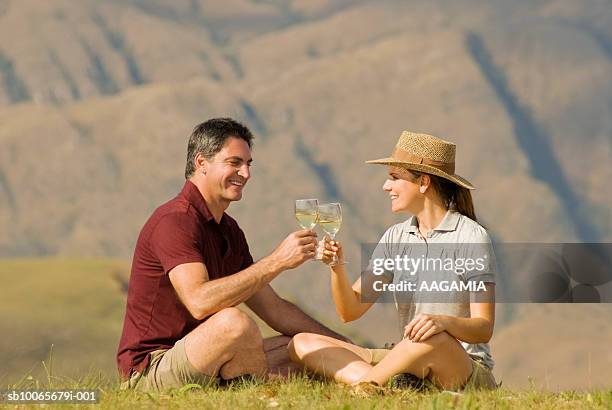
(445,338)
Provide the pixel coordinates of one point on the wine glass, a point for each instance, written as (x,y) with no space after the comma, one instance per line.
(307,212)
(330,219)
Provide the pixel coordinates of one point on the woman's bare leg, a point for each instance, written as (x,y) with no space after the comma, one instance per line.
(329,357)
(440,358)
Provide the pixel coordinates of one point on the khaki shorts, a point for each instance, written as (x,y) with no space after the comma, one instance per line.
(167,368)
(481,377)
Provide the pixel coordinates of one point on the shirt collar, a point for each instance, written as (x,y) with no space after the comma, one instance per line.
(413,225)
(193,195)
(449,222)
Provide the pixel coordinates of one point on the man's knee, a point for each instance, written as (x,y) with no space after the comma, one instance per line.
(237,325)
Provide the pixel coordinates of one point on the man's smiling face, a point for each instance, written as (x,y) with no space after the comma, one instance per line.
(229,170)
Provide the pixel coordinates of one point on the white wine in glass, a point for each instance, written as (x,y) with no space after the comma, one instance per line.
(330,219)
(307,212)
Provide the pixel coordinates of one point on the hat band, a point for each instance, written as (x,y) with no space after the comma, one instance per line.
(448,167)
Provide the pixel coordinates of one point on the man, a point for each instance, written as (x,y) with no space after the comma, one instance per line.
(192,266)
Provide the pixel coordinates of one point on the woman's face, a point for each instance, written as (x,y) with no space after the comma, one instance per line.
(404,190)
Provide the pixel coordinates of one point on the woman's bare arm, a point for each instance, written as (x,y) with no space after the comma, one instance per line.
(478,328)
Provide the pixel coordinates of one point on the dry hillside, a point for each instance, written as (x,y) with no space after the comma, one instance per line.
(523,90)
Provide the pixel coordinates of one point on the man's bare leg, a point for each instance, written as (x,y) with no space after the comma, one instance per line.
(277,357)
(228,344)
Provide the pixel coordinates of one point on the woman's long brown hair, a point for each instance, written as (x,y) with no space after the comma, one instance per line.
(453,195)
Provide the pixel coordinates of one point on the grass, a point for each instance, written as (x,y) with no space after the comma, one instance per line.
(303,393)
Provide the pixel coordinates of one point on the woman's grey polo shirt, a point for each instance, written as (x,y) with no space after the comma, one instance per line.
(458,250)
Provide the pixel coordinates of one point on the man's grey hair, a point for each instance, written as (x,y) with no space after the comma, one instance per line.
(209,137)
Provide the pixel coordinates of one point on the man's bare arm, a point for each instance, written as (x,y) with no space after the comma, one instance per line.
(284,316)
(204,297)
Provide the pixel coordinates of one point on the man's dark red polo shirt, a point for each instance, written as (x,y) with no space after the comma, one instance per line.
(181,231)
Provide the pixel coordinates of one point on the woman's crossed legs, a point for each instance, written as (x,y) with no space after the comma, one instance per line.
(440,358)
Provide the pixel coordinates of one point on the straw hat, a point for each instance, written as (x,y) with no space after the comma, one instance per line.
(425,153)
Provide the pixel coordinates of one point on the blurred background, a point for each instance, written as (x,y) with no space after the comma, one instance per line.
(97,99)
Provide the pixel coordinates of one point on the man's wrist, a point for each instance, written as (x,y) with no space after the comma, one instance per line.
(271,267)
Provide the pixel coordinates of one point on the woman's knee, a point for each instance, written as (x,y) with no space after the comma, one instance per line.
(431,346)
(435,341)
(303,344)
(440,339)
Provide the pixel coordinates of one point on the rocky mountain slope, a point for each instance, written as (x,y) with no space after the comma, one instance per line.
(97,99)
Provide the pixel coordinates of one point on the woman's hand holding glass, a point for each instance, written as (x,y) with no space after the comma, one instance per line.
(328,216)
(330,219)
(332,252)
